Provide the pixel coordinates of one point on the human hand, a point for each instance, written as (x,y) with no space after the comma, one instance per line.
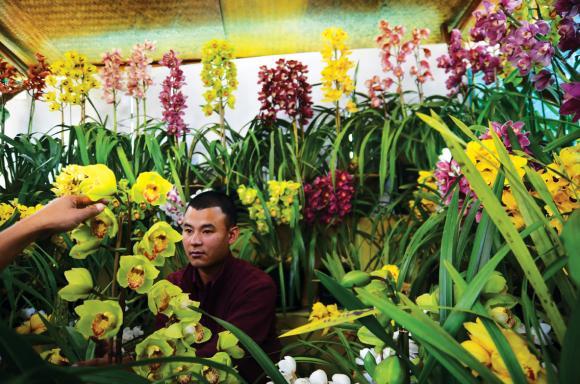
(65,213)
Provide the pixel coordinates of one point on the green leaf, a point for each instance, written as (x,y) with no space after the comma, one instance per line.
(446,256)
(568,369)
(16,352)
(348,300)
(428,332)
(82,144)
(571,239)
(503,223)
(126,165)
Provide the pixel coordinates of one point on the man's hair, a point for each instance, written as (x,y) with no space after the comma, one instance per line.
(210,199)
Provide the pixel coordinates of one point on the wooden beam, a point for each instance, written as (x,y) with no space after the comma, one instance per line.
(460,19)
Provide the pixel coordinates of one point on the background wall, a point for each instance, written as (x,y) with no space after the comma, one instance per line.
(247,105)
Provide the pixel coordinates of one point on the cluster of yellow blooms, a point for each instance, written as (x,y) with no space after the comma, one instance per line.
(219,75)
(335,79)
(94,181)
(485,157)
(72,78)
(320,311)
(563,180)
(33,325)
(280,203)
(7,210)
(482,347)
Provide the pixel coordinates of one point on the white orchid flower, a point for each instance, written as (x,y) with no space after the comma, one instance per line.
(287,368)
(339,378)
(363,352)
(302,381)
(544,329)
(318,377)
(445,155)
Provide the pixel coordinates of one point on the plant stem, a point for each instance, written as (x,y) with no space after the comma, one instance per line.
(83,110)
(337,118)
(119,341)
(3,114)
(30,117)
(188,166)
(114,112)
(117,253)
(295,126)
(62,124)
(137,117)
(144,112)
(222,123)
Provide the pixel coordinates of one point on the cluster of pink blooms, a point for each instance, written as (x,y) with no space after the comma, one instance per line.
(391,44)
(377,88)
(171,97)
(447,174)
(285,88)
(394,53)
(459,59)
(522,48)
(326,202)
(112,75)
(568,28)
(174,207)
(423,71)
(571,102)
(522,45)
(139,79)
(502,131)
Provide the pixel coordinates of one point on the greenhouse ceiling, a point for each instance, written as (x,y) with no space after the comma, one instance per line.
(255,27)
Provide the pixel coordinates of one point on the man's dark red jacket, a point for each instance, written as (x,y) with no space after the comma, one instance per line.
(242,295)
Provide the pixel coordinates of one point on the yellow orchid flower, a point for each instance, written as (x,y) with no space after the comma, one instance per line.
(482,347)
(158,243)
(33,325)
(137,273)
(151,348)
(80,284)
(99,319)
(160,295)
(89,235)
(53,356)
(150,188)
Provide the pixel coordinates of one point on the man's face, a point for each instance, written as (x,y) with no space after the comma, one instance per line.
(206,237)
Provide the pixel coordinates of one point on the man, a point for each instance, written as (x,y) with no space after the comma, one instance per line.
(226,287)
(60,215)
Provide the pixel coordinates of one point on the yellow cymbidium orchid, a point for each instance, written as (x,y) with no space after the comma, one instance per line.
(53,356)
(150,188)
(100,182)
(160,295)
(158,243)
(482,347)
(94,181)
(151,348)
(100,319)
(80,284)
(89,235)
(33,325)
(137,273)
